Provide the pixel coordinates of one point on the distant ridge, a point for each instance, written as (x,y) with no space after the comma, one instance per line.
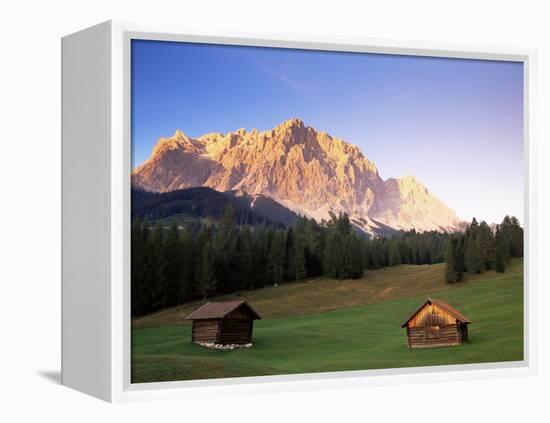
(206,203)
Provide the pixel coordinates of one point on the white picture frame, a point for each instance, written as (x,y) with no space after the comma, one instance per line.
(95,225)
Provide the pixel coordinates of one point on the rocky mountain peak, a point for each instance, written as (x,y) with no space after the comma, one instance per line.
(179,134)
(308,172)
(179,141)
(292,123)
(240,132)
(410,183)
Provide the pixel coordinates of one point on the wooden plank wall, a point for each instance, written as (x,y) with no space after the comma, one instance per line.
(236,331)
(419,338)
(206,330)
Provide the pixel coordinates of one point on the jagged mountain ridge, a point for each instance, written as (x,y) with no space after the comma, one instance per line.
(307,171)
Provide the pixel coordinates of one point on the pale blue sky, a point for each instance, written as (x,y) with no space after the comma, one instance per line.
(457,125)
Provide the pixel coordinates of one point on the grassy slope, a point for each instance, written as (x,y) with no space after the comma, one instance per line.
(323,294)
(363,337)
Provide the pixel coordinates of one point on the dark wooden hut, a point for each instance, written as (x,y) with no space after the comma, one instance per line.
(436,324)
(228,322)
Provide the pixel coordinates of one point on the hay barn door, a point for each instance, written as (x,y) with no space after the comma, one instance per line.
(432,328)
(432,331)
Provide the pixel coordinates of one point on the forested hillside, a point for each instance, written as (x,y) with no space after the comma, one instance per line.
(177,264)
(480,248)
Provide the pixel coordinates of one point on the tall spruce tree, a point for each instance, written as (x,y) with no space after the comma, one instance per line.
(394,256)
(190,243)
(139,268)
(500,259)
(314,247)
(487,250)
(207,272)
(506,238)
(472,253)
(224,244)
(450,260)
(299,258)
(156,267)
(516,238)
(460,266)
(355,257)
(500,267)
(332,254)
(174,262)
(276,258)
(245,259)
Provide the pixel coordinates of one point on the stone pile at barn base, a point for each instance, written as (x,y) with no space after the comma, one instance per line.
(214,346)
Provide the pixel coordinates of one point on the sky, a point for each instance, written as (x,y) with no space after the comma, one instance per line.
(455,124)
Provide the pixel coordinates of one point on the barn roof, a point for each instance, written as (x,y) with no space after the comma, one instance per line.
(444,306)
(218,310)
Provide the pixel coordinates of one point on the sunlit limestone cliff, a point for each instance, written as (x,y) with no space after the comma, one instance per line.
(307,171)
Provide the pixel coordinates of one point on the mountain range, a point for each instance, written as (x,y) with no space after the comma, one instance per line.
(306,171)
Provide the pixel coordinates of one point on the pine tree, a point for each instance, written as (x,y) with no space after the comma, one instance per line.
(207,272)
(516,238)
(332,253)
(156,268)
(189,243)
(486,242)
(506,238)
(394,255)
(460,266)
(172,253)
(499,262)
(260,251)
(139,240)
(500,252)
(290,269)
(377,254)
(451,273)
(472,253)
(367,256)
(300,271)
(224,244)
(314,246)
(276,258)
(343,225)
(356,258)
(245,258)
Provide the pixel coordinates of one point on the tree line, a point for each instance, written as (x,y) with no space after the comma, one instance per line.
(178,263)
(480,248)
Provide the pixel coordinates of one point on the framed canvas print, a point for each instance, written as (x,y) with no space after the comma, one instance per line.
(248,212)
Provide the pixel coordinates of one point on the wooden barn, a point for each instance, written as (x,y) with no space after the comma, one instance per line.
(436,324)
(228,322)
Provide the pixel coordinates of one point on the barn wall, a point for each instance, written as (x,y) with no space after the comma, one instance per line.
(206,330)
(240,313)
(463,332)
(431,315)
(236,331)
(419,337)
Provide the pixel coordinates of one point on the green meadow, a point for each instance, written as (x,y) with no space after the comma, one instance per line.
(328,325)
